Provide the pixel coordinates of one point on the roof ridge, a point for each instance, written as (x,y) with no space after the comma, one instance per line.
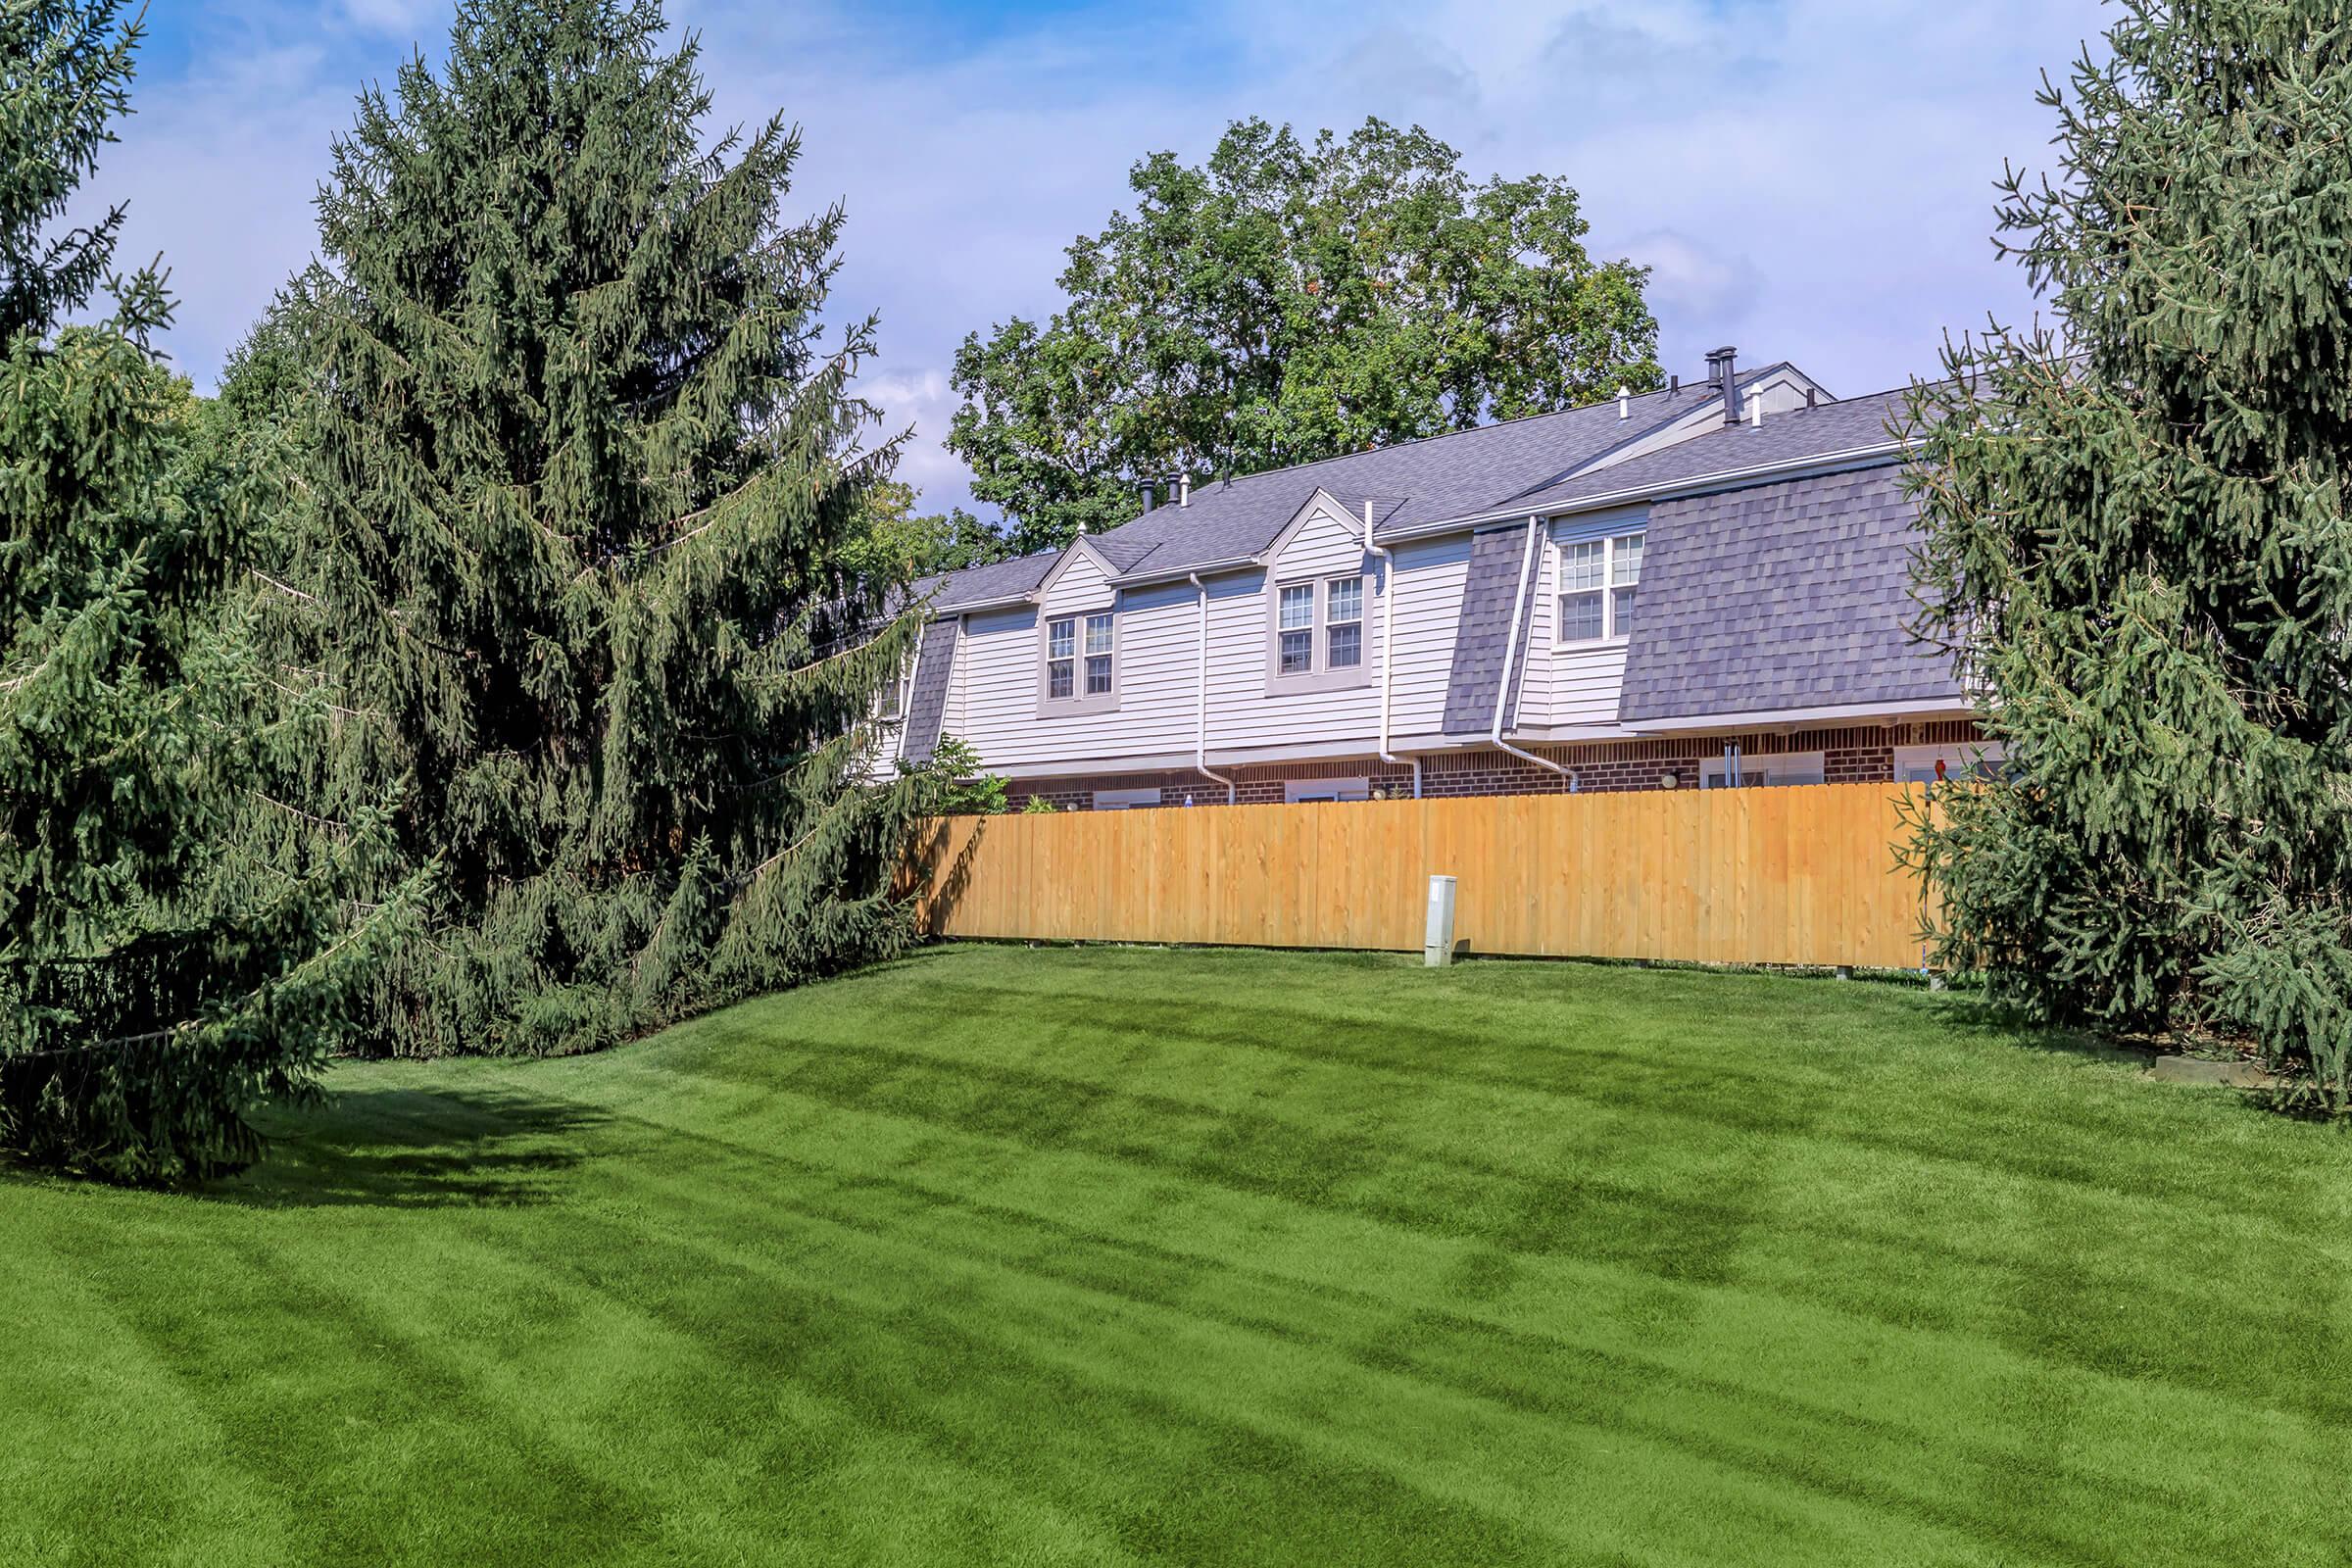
(1446,435)
(1496,425)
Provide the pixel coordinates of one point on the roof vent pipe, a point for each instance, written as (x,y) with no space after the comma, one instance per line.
(1625,401)
(1812,398)
(1674,386)
(1755,407)
(1722,370)
(1149,495)
(1184,489)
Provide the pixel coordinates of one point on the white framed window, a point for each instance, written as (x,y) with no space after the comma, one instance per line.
(1296,629)
(1600,582)
(1079,655)
(1318,633)
(1125,799)
(1344,623)
(1097,655)
(1299,791)
(1929,765)
(1061,657)
(1762,772)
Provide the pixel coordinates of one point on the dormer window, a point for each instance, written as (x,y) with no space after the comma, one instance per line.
(1343,622)
(1297,651)
(1600,582)
(1318,634)
(1080,662)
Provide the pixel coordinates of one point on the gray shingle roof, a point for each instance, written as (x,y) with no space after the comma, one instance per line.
(928,704)
(1482,635)
(998,579)
(1410,483)
(1789,437)
(1780,595)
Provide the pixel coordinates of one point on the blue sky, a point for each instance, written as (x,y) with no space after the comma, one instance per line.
(1811,180)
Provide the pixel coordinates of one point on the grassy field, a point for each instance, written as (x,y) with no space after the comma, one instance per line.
(1115,1256)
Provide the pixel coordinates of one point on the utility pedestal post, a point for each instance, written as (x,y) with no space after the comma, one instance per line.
(1436,943)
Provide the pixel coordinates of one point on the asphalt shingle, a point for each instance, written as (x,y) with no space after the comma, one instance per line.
(928,704)
(1782,596)
(1790,437)
(1410,483)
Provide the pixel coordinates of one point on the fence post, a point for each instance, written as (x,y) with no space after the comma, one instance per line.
(1437,942)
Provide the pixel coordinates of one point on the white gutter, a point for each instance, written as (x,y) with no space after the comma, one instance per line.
(1510,658)
(1851,715)
(1136,579)
(1783,468)
(1200,733)
(1387,639)
(1005,602)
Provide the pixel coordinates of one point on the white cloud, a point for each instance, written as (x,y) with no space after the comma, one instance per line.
(402,18)
(1692,279)
(1810,178)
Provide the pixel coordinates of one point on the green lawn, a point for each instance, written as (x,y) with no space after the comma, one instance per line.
(1119,1255)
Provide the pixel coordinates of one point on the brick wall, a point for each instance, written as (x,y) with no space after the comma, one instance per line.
(1863,755)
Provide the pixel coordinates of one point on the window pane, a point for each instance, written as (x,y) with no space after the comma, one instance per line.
(1298,607)
(1624,563)
(1297,651)
(1346,646)
(1058,675)
(1346,600)
(1579,617)
(1098,634)
(1098,675)
(1061,639)
(1581,565)
(1621,612)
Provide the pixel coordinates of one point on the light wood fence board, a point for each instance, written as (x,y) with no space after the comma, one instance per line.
(1802,875)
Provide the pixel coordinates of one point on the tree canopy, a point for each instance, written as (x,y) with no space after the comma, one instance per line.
(2138,540)
(1290,301)
(576,482)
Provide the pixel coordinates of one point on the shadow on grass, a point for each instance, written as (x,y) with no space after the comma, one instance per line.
(417,1148)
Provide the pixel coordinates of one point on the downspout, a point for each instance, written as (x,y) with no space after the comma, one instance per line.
(1387,640)
(903,680)
(1510,659)
(1200,733)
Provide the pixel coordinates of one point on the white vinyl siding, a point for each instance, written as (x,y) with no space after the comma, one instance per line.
(1573,683)
(994,700)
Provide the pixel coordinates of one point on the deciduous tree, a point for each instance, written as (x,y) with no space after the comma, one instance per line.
(1290,301)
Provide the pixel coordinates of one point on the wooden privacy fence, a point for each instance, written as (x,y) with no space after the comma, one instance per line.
(1802,875)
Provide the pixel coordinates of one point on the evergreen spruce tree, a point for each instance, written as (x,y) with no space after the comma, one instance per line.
(67,66)
(577,480)
(2137,538)
(170,959)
